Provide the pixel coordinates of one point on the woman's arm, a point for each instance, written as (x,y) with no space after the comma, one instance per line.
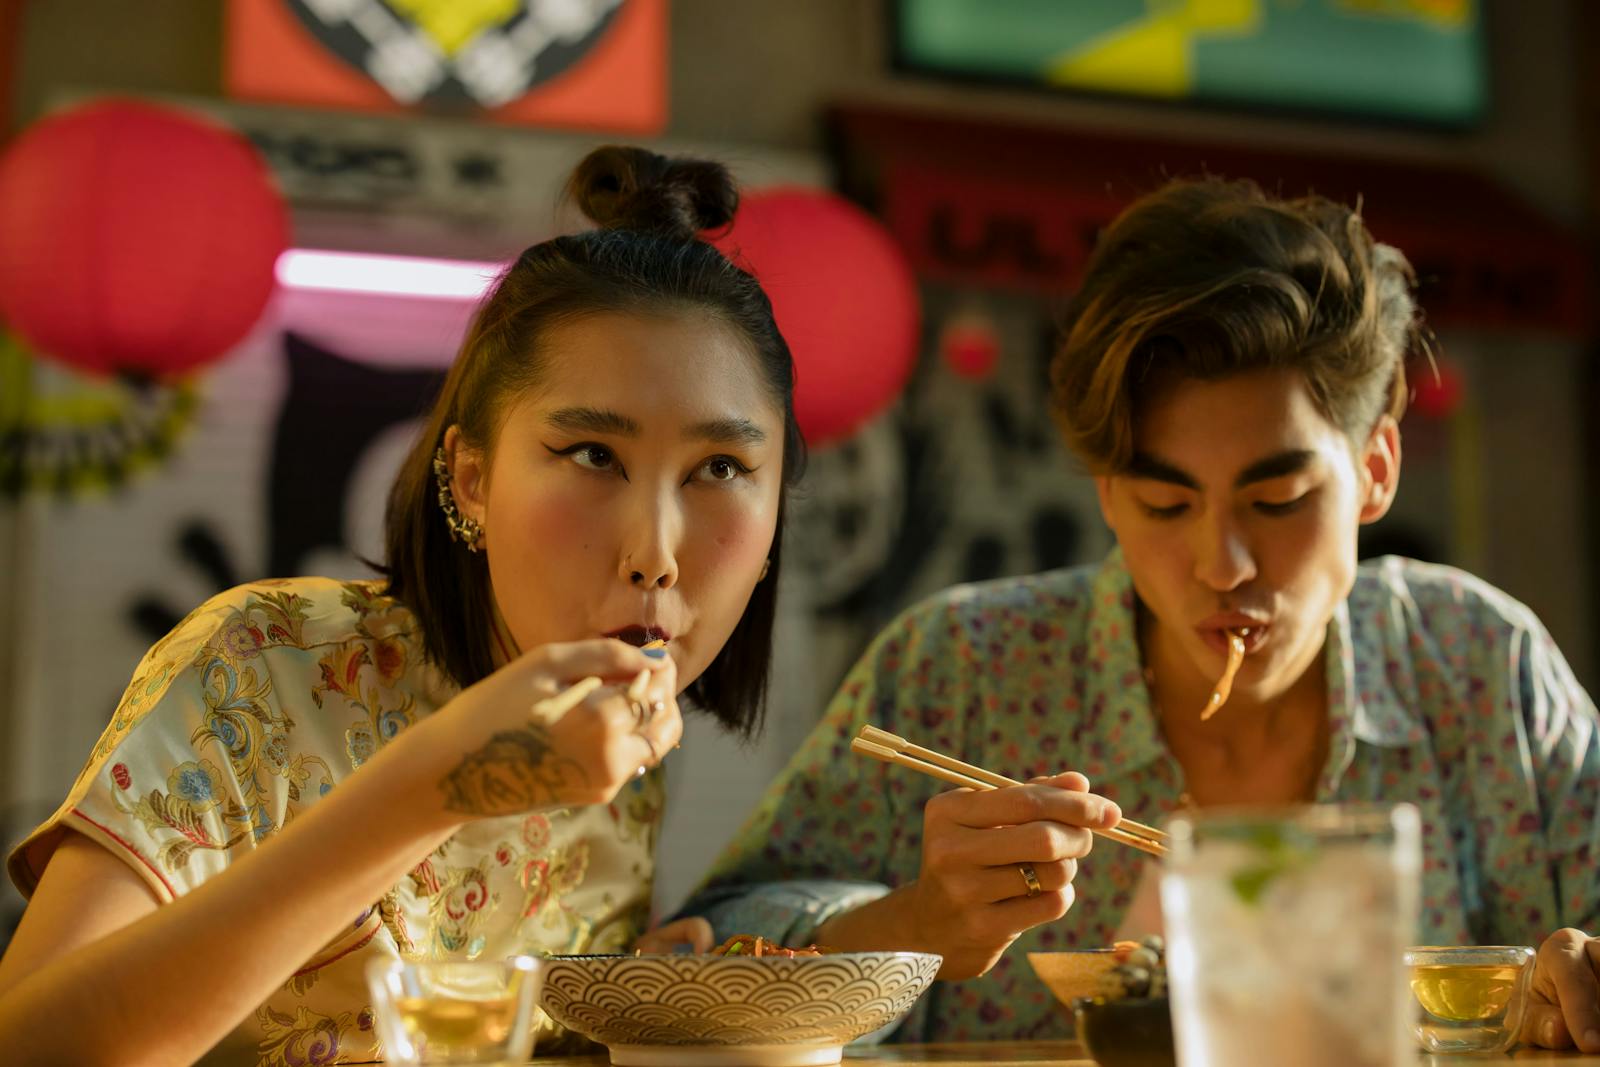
(117,979)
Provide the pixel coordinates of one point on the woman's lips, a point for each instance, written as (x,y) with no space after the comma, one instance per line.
(639,636)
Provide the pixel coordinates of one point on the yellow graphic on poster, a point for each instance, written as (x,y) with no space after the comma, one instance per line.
(65,433)
(1156,54)
(1421,59)
(451,24)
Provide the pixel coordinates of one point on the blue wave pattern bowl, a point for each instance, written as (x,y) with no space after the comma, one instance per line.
(769,1011)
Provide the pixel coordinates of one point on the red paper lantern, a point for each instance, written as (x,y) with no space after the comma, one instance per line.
(970,345)
(843,296)
(135,238)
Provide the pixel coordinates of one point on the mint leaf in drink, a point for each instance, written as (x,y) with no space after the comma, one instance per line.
(1250,883)
(1279,850)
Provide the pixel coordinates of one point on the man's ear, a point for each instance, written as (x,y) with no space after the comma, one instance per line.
(1380,470)
(1102,490)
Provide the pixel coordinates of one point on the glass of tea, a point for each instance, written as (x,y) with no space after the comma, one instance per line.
(1469,999)
(456,1011)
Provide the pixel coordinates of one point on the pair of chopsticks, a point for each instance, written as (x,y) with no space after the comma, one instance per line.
(892,748)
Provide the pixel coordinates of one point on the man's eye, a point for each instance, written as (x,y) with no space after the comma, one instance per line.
(1284,507)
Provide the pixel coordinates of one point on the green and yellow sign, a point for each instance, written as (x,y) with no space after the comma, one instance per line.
(1418,60)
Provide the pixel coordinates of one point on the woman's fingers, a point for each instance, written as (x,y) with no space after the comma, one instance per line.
(605,658)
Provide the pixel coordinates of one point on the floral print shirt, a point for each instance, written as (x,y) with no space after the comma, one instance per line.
(261,703)
(1442,691)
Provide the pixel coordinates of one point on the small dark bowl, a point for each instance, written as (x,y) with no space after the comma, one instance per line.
(1136,1032)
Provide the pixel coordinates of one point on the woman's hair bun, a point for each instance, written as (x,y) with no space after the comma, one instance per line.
(625,188)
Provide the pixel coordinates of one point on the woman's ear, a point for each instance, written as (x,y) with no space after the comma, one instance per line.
(469,475)
(1380,470)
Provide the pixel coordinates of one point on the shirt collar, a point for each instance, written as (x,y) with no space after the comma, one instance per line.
(1362,693)
(1122,731)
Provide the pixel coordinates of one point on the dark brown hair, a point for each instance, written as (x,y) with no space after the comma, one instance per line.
(646,258)
(1207,278)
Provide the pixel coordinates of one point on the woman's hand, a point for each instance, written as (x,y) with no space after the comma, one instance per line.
(972,898)
(504,746)
(1564,996)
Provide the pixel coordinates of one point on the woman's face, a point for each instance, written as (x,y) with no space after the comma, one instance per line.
(1241,508)
(634,491)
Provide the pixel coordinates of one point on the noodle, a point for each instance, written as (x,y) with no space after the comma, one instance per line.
(750,945)
(1219,695)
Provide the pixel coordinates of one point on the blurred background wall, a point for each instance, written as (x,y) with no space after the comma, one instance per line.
(276,459)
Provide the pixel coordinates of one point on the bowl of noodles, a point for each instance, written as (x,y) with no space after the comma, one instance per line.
(747,1002)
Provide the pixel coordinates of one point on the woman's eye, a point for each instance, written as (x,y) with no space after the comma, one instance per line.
(722,469)
(591,457)
(595,457)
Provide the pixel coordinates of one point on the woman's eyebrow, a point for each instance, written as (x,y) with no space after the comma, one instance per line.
(591,420)
(731,431)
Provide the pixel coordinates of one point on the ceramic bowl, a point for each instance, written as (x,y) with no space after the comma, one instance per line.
(1136,1032)
(666,1011)
(1072,975)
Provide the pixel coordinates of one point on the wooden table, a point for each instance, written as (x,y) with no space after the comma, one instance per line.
(1071,1054)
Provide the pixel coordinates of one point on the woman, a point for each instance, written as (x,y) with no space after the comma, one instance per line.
(1232,375)
(309,773)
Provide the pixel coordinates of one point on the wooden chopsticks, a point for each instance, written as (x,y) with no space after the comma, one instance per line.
(892,748)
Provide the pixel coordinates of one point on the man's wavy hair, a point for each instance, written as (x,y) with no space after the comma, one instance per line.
(1205,279)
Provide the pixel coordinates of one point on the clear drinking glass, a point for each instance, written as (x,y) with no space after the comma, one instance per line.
(1468,999)
(456,1011)
(1285,934)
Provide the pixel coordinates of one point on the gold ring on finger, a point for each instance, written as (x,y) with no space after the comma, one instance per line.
(1031,878)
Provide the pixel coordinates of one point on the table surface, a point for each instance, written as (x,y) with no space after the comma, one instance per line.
(1071,1054)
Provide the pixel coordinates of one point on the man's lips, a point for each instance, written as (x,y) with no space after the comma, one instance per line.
(1253,632)
(639,636)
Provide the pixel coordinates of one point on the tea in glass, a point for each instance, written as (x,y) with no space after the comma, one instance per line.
(456,1011)
(1469,999)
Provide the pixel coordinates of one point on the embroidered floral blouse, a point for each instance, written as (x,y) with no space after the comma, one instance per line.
(1442,691)
(257,706)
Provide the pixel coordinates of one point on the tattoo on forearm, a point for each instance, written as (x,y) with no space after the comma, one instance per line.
(516,771)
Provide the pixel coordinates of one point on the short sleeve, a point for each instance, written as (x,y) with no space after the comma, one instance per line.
(183,776)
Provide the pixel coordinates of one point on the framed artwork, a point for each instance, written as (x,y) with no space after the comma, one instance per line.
(1418,61)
